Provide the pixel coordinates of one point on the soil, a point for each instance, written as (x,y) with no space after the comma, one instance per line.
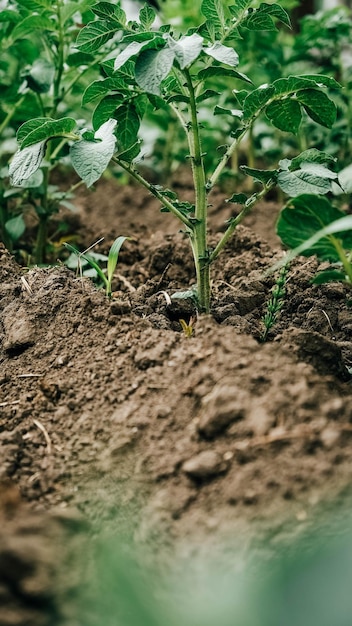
(114,422)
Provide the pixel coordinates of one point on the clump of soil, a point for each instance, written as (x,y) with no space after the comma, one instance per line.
(109,409)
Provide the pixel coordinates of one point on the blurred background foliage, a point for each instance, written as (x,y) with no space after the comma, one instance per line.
(305,581)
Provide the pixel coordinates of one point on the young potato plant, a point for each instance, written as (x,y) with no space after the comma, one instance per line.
(175,74)
(41,74)
(310,225)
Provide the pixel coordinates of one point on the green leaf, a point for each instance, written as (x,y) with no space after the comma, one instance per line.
(187,49)
(42,129)
(320,79)
(303,182)
(292,84)
(90,159)
(41,76)
(99,88)
(222,53)
(276,11)
(307,222)
(208,93)
(68,9)
(130,51)
(113,259)
(34,5)
(318,170)
(256,101)
(110,12)
(35,180)
(259,21)
(218,110)
(213,10)
(131,153)
(318,106)
(106,109)
(76,59)
(312,155)
(95,35)
(128,125)
(33,22)
(328,276)
(10,16)
(238,10)
(209,72)
(152,66)
(147,16)
(263,17)
(345,179)
(15,227)
(25,162)
(285,114)
(263,176)
(238,198)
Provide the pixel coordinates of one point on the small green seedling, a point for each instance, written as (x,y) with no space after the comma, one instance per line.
(148,69)
(112,259)
(276,302)
(311,225)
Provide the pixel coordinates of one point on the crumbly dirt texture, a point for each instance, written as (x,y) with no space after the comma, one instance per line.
(113,420)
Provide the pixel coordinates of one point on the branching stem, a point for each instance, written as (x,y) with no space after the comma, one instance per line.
(154,191)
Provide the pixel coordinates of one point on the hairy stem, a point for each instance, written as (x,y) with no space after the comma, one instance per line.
(199,239)
(155,192)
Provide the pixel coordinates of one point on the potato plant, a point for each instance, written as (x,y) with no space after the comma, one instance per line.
(41,74)
(156,69)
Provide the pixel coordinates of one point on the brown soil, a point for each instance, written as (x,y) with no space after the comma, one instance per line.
(112,420)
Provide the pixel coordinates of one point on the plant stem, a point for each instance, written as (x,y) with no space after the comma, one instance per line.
(10,114)
(225,158)
(199,238)
(236,220)
(155,192)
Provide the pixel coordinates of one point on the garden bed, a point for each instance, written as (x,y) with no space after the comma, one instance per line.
(114,421)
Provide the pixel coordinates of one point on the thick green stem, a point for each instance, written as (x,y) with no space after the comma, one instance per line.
(235,221)
(199,238)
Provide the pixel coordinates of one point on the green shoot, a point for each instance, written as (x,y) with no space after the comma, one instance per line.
(275,303)
(112,260)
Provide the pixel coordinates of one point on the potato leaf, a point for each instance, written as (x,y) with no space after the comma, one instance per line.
(25,162)
(307,224)
(42,129)
(318,106)
(15,227)
(222,53)
(91,158)
(187,49)
(285,114)
(95,35)
(152,66)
